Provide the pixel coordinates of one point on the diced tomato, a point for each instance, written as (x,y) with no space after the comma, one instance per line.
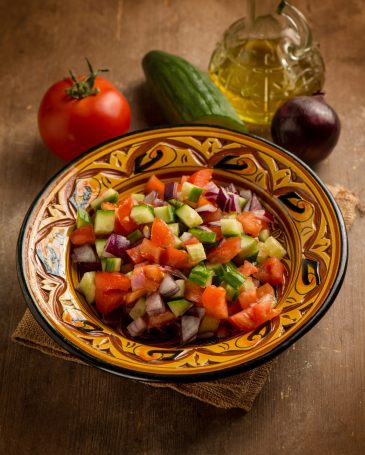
(244,320)
(135,254)
(175,258)
(225,251)
(110,290)
(147,278)
(212,216)
(251,224)
(150,251)
(108,206)
(155,184)
(247,268)
(161,235)
(159,320)
(271,271)
(214,301)
(234,307)
(84,235)
(192,241)
(218,231)
(132,296)
(246,298)
(123,223)
(201,177)
(266,289)
(193,292)
(263,311)
(153,272)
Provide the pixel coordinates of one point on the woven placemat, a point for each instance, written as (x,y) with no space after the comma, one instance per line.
(237,391)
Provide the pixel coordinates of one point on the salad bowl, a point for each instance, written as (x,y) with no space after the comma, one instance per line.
(307,222)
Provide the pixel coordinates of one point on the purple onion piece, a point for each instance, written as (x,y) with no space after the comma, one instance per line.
(211,187)
(246,194)
(223,199)
(185,236)
(196,311)
(150,197)
(207,208)
(189,328)
(170,190)
(117,245)
(137,327)
(158,203)
(84,253)
(212,197)
(232,189)
(155,304)
(168,286)
(234,203)
(255,203)
(269,216)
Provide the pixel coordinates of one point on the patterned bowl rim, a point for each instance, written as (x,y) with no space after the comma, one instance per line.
(206,376)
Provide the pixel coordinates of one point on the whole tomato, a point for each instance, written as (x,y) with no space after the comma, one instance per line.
(79,113)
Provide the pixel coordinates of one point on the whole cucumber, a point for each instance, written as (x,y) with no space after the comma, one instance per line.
(186,94)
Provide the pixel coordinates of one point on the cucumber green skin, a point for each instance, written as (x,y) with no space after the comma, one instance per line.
(186,94)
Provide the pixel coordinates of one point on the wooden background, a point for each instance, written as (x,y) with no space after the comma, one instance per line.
(314,401)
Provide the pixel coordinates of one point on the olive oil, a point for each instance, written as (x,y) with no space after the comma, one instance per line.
(258,75)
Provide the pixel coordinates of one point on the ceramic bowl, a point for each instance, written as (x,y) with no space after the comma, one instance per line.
(309,225)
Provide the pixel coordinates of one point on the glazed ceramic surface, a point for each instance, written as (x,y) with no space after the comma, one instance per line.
(307,222)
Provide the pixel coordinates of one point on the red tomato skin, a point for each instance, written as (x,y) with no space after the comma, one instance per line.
(71,126)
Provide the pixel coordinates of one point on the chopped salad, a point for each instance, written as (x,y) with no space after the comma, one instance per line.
(181,261)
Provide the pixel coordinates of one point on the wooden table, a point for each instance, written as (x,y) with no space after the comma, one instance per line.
(314,401)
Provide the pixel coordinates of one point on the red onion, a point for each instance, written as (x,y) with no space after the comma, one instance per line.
(261,214)
(185,236)
(196,311)
(246,194)
(155,304)
(170,190)
(211,187)
(223,199)
(234,203)
(150,197)
(168,286)
(138,279)
(116,245)
(207,208)
(212,197)
(84,253)
(255,203)
(189,328)
(232,189)
(158,203)
(137,327)
(269,216)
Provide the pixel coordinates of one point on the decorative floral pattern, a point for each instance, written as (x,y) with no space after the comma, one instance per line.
(307,224)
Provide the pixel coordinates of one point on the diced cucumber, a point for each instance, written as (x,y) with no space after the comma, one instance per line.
(231,227)
(100,245)
(191,192)
(104,221)
(189,216)
(178,242)
(138,197)
(208,324)
(231,292)
(142,214)
(248,285)
(181,291)
(203,236)
(134,236)
(138,309)
(166,213)
(200,275)
(196,252)
(175,203)
(233,277)
(179,307)
(243,202)
(83,218)
(218,269)
(262,254)
(109,195)
(264,235)
(111,264)
(274,248)
(249,249)
(174,228)
(87,286)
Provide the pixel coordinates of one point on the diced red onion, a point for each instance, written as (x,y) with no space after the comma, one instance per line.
(234,203)
(196,311)
(170,190)
(247,206)
(146,231)
(158,203)
(168,286)
(173,271)
(269,216)
(207,208)
(211,187)
(155,304)
(137,327)
(255,203)
(262,215)
(212,197)
(246,194)
(84,253)
(223,199)
(185,236)
(138,279)
(116,245)
(189,328)
(232,189)
(150,197)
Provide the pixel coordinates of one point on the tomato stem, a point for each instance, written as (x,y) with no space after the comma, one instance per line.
(83,87)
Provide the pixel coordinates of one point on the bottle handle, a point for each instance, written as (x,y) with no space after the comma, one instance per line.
(302,39)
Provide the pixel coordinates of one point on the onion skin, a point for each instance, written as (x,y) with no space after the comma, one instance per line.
(306,126)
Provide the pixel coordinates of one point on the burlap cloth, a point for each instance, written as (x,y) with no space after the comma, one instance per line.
(237,391)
